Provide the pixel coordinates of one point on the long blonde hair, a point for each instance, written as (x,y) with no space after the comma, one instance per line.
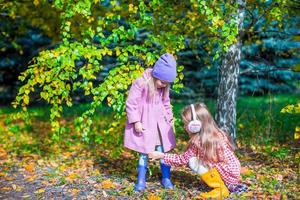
(208,140)
(152,89)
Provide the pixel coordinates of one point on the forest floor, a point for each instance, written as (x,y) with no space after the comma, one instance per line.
(77,174)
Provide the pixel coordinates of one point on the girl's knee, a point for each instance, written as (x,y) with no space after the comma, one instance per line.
(143,160)
(197,166)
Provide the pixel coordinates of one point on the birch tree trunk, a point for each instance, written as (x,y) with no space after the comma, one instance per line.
(228,85)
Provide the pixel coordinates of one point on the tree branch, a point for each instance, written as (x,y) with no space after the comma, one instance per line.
(258,18)
(252,71)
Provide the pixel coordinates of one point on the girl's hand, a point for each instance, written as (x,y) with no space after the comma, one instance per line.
(156,155)
(172,122)
(138,127)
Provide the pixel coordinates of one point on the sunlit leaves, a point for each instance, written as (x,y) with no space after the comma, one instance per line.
(291,109)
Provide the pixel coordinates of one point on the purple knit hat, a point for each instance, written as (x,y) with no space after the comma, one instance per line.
(165,68)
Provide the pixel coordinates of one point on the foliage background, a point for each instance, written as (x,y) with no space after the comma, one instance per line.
(73,61)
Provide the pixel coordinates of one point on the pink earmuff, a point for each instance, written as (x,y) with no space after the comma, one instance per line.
(195,125)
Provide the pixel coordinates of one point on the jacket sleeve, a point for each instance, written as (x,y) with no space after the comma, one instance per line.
(133,100)
(180,159)
(167,105)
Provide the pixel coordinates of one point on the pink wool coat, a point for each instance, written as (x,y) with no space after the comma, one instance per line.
(152,114)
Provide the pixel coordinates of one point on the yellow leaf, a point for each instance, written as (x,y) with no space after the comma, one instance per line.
(153,197)
(26,99)
(68,23)
(39,191)
(107,184)
(29,167)
(6,188)
(14,186)
(67,154)
(248,194)
(221,22)
(9,178)
(109,52)
(96,172)
(92,76)
(36,2)
(31,178)
(118,52)
(88,56)
(130,8)
(241,126)
(18,189)
(260,177)
(74,191)
(297,133)
(45,183)
(62,168)
(72,176)
(181,76)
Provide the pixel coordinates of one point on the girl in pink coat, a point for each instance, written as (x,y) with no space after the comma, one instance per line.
(149,123)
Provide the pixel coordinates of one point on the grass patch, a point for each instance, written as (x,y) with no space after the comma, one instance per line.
(259,121)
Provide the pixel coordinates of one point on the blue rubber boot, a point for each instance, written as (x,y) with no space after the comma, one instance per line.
(141,182)
(165,181)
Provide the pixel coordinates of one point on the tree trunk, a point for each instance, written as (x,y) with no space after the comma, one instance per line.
(228,85)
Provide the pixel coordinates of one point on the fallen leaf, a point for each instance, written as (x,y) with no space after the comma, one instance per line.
(29,167)
(45,183)
(53,164)
(245,171)
(67,154)
(72,176)
(276,196)
(9,178)
(18,189)
(96,172)
(260,177)
(247,194)
(107,184)
(14,186)
(3,153)
(104,194)
(153,197)
(31,178)
(40,162)
(39,191)
(74,191)
(6,188)
(62,168)
(91,181)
